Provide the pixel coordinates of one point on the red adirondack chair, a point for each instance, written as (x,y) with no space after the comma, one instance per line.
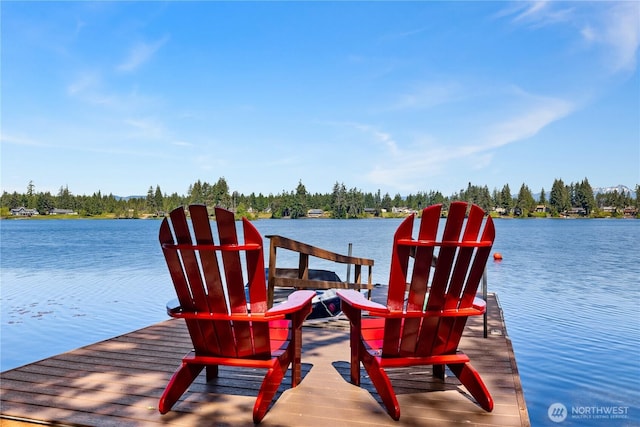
(225,327)
(425,327)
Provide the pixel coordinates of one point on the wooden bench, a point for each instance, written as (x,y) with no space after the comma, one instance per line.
(299,278)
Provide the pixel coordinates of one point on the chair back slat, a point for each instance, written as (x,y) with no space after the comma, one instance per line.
(257,288)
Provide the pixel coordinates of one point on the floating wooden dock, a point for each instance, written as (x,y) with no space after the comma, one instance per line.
(117,382)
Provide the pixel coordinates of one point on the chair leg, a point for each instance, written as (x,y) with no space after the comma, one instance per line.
(269,387)
(470,378)
(438,372)
(354,364)
(178,384)
(295,347)
(383,386)
(355,345)
(212,372)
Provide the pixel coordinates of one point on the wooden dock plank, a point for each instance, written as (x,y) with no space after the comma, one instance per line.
(118,382)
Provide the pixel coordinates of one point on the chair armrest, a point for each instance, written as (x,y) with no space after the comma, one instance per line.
(293,304)
(296,301)
(479,304)
(357,300)
(178,313)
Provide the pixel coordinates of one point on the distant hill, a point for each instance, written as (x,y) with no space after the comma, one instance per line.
(619,188)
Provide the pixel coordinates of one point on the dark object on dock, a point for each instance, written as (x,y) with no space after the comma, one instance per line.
(326,302)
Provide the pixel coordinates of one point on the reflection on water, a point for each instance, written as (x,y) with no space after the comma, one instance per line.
(569,290)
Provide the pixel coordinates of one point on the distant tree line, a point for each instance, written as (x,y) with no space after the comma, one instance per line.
(339,203)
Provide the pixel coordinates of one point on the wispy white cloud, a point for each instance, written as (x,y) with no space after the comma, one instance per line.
(404,34)
(146,128)
(94,90)
(140,53)
(88,87)
(620,32)
(530,10)
(429,95)
(20,140)
(542,13)
(542,112)
(182,144)
(378,136)
(614,26)
(403,162)
(382,137)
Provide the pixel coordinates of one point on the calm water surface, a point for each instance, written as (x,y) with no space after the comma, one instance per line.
(569,290)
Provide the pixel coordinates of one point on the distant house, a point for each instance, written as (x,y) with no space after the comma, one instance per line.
(315,213)
(542,209)
(56,211)
(630,211)
(22,211)
(577,212)
(501,211)
(402,210)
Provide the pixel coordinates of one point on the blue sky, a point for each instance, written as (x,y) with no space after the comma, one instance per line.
(401,97)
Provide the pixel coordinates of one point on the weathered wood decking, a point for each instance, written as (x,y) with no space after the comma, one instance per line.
(118,382)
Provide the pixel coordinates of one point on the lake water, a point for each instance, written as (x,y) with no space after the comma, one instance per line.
(569,289)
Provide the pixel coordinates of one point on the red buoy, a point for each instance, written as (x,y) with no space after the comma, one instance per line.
(497,256)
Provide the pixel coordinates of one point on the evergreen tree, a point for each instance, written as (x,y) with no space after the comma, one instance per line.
(497,198)
(584,196)
(397,200)
(339,201)
(196,195)
(299,201)
(506,198)
(151,201)
(158,199)
(65,199)
(525,202)
(559,199)
(31,196)
(369,200)
(220,193)
(386,202)
(355,203)
(44,203)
